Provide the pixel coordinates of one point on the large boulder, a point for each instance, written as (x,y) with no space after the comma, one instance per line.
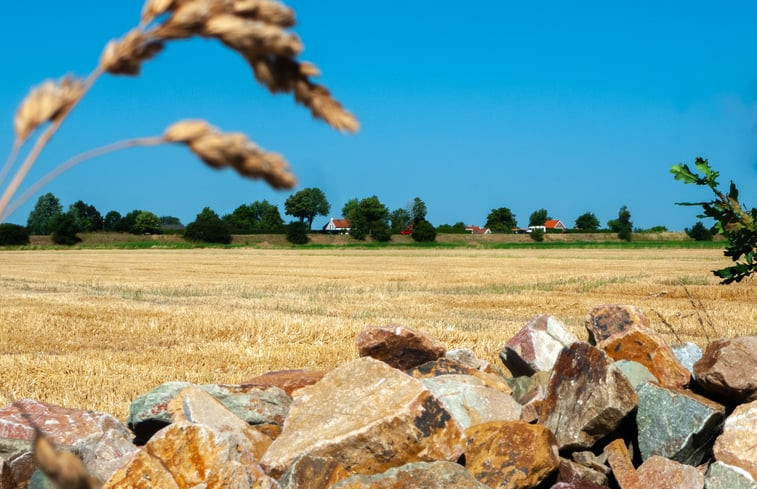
(256,404)
(471,402)
(511,454)
(399,346)
(648,348)
(676,424)
(662,473)
(311,472)
(587,397)
(728,369)
(535,347)
(369,417)
(287,380)
(609,319)
(445,366)
(426,475)
(737,445)
(724,476)
(187,455)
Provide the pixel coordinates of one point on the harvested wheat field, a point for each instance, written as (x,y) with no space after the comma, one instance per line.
(96,328)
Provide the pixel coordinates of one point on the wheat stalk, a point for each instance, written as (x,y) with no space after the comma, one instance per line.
(256,29)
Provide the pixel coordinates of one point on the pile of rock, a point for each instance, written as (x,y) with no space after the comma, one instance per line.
(624,410)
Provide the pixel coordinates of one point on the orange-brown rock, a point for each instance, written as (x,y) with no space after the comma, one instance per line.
(574,472)
(737,446)
(309,472)
(399,346)
(728,369)
(609,319)
(6,477)
(649,349)
(619,461)
(369,417)
(510,454)
(288,380)
(663,473)
(186,455)
(426,475)
(196,406)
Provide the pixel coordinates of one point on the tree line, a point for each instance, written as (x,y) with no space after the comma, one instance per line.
(368,217)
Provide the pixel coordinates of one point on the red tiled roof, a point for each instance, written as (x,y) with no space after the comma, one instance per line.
(552,223)
(341,223)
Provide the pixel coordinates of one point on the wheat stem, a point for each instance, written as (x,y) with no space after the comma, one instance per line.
(70,163)
(9,162)
(40,144)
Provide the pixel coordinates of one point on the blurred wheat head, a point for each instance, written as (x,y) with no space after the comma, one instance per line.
(256,29)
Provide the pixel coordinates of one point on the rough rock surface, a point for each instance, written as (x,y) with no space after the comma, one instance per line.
(635,372)
(511,454)
(676,424)
(578,485)
(6,477)
(399,346)
(186,455)
(608,319)
(470,402)
(619,461)
(196,406)
(649,349)
(426,475)
(662,473)
(309,472)
(724,476)
(369,417)
(530,388)
(467,357)
(587,397)
(574,472)
(535,347)
(737,445)
(688,354)
(287,380)
(728,369)
(444,366)
(253,403)
(104,454)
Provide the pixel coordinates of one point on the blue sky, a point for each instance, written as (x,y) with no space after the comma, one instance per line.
(572,107)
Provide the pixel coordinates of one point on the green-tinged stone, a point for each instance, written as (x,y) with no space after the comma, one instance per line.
(723,476)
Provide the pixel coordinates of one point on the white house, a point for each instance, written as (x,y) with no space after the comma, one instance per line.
(337,226)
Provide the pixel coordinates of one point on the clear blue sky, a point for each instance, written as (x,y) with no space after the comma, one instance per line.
(569,106)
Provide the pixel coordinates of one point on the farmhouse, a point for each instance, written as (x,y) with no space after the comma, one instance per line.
(554,225)
(337,226)
(478,230)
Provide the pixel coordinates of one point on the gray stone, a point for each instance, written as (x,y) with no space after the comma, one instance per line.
(535,347)
(40,481)
(426,475)
(688,354)
(676,424)
(635,372)
(724,476)
(470,402)
(530,388)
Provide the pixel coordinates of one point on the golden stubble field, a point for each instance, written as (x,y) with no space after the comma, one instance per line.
(96,328)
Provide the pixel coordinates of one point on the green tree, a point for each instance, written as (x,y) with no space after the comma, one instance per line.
(257,217)
(400,219)
(538,217)
(732,218)
(699,232)
(297,233)
(13,235)
(306,204)
(88,218)
(622,225)
(112,221)
(45,211)
(501,220)
(587,222)
(537,235)
(64,228)
(171,222)
(208,227)
(365,215)
(381,232)
(146,223)
(423,232)
(418,210)
(129,221)
(457,228)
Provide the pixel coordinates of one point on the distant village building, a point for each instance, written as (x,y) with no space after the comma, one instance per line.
(337,226)
(478,230)
(555,225)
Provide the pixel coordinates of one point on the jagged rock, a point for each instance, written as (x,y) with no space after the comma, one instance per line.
(511,454)
(529,388)
(649,349)
(676,424)
(662,473)
(468,358)
(587,397)
(399,346)
(369,417)
(688,354)
(619,461)
(574,472)
(470,402)
(737,445)
(22,466)
(426,475)
(254,404)
(728,369)
(589,459)
(196,406)
(309,472)
(724,476)
(104,454)
(444,366)
(287,380)
(578,485)
(609,319)
(186,455)
(6,476)
(535,347)
(635,372)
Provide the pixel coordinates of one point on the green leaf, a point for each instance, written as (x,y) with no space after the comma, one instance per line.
(683,173)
